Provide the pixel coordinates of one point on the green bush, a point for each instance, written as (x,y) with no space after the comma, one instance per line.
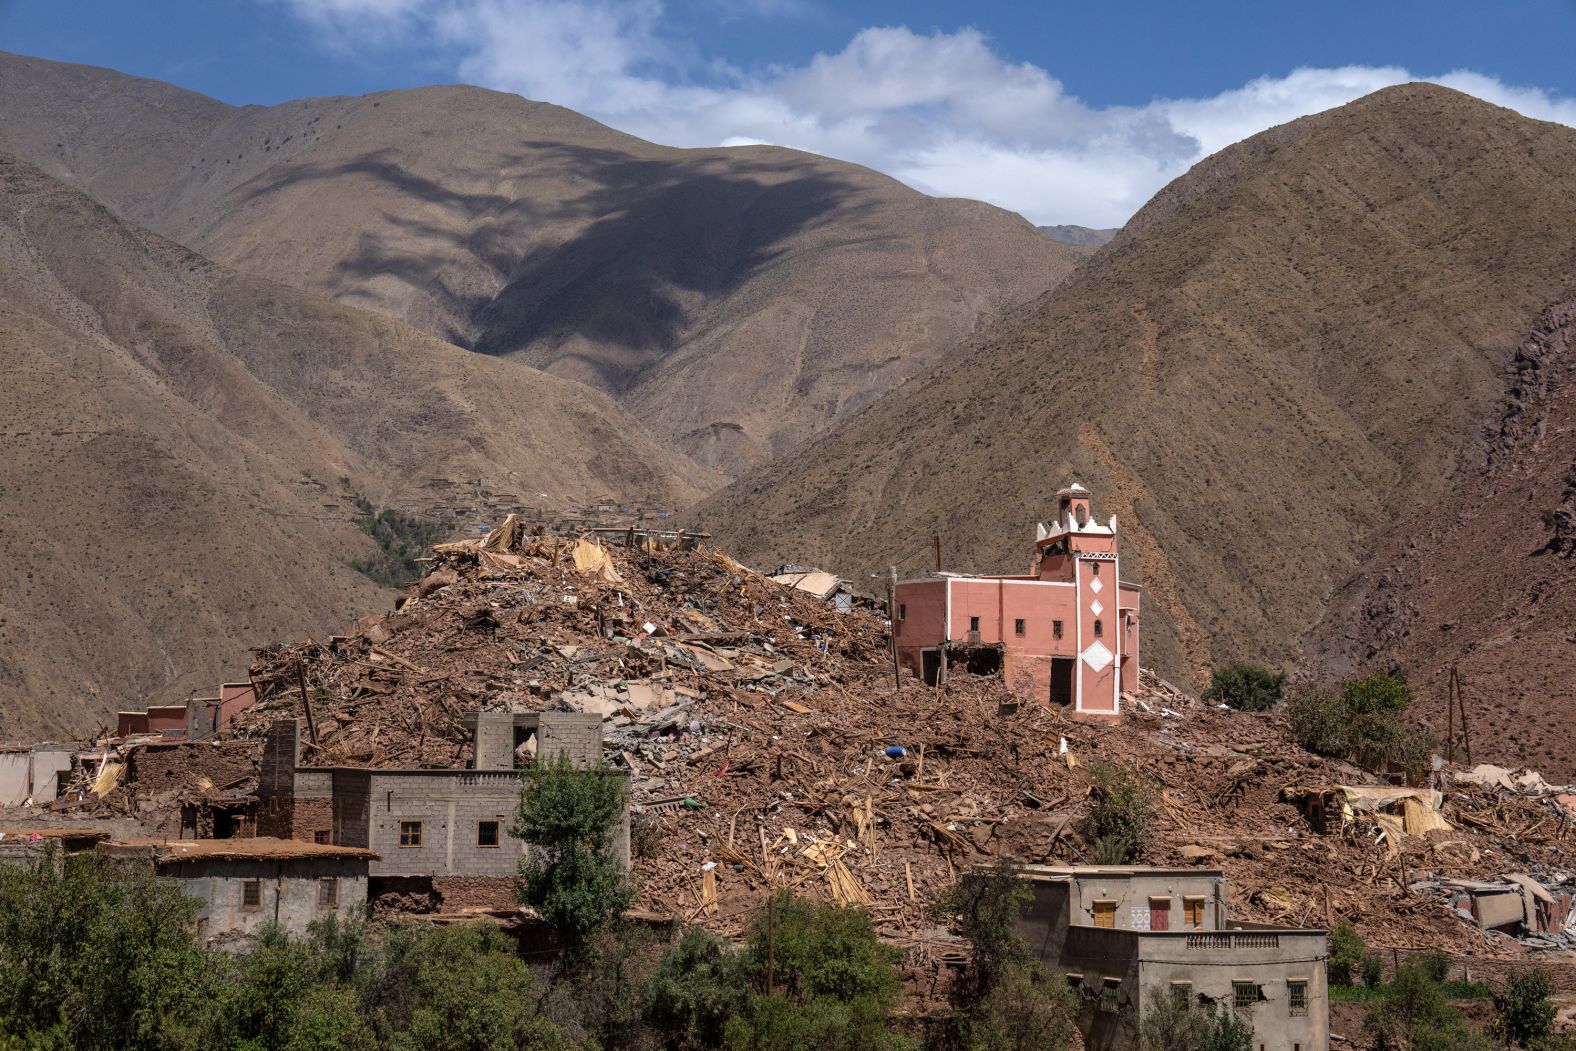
(570,816)
(1245,687)
(1363,723)
(1525,1011)
(1119,822)
(93,956)
(1414,1012)
(1026,1008)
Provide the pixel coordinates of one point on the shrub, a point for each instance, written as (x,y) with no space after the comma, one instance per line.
(1026,1008)
(1245,687)
(473,993)
(1317,721)
(1435,964)
(1119,823)
(1413,1012)
(1347,949)
(96,956)
(1172,1024)
(1362,723)
(570,816)
(1525,1010)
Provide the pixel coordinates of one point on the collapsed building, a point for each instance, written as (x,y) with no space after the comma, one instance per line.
(1125,935)
(1066,633)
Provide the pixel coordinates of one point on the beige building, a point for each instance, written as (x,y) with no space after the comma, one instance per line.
(1121,933)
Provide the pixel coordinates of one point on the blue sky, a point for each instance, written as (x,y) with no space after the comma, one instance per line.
(1067,112)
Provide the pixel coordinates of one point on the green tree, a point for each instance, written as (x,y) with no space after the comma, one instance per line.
(1363,723)
(1414,1013)
(1525,1011)
(1318,721)
(1006,998)
(473,993)
(697,988)
(822,979)
(1119,821)
(401,540)
(96,956)
(1373,708)
(570,875)
(1347,949)
(1245,687)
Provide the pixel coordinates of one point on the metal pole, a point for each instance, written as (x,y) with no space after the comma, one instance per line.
(897,671)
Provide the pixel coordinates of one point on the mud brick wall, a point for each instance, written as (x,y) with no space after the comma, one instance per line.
(157,767)
(475,892)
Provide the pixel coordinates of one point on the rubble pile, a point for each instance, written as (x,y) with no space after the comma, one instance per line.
(771,745)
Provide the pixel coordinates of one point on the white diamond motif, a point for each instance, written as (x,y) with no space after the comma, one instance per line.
(1095,585)
(1096,608)
(1097,657)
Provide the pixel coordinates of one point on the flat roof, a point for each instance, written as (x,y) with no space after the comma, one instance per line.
(1111,871)
(259,847)
(8,835)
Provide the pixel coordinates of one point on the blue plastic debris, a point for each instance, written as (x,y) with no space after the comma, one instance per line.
(895,752)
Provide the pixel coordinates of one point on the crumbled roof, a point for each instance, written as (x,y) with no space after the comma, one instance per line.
(9,834)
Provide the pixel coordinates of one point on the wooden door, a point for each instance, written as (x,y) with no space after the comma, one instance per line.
(1160,914)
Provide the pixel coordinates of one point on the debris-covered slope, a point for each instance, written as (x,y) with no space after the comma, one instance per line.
(758,726)
(171,429)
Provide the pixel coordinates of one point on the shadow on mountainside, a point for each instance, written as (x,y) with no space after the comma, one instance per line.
(664,240)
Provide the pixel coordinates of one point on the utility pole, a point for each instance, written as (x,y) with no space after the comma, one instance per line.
(1450,717)
(306,701)
(771,933)
(937,541)
(897,672)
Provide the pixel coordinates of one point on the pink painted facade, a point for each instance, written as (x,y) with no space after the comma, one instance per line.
(1067,631)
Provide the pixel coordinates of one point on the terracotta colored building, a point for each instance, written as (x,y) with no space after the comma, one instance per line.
(1064,633)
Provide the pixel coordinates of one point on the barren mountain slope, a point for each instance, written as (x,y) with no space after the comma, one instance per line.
(171,429)
(737,299)
(1487,581)
(1290,348)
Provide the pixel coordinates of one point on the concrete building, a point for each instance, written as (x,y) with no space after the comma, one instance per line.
(1065,633)
(246,883)
(32,772)
(1121,934)
(442,834)
(21,847)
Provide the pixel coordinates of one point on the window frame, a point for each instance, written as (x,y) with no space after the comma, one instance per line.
(251,895)
(328,892)
(1110,996)
(497,833)
(1020,627)
(974,624)
(1099,629)
(902,611)
(1095,909)
(410,838)
(1189,902)
(322,836)
(1057,630)
(1297,989)
(1182,992)
(1245,993)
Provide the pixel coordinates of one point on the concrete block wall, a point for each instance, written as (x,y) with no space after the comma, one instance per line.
(579,734)
(493,745)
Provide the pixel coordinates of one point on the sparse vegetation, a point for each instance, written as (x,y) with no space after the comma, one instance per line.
(1172,1024)
(1245,687)
(401,540)
(1414,1012)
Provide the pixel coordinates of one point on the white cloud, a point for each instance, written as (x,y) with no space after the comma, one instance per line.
(944,112)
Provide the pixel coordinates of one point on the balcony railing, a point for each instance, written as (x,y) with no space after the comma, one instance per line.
(1231,940)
